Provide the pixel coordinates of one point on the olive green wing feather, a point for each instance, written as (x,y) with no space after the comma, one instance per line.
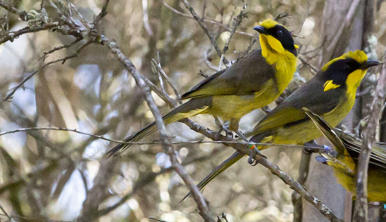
(353,145)
(244,77)
(344,142)
(289,112)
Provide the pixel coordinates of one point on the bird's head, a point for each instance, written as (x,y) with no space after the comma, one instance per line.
(274,37)
(346,70)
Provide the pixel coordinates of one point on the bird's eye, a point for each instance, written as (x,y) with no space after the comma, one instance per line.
(279,32)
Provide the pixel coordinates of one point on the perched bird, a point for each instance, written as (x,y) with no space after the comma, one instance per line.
(254,81)
(331,94)
(345,159)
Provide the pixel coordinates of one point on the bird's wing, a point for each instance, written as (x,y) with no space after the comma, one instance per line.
(348,146)
(353,145)
(290,112)
(244,77)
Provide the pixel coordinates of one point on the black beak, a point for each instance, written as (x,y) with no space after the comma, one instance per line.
(260,29)
(369,64)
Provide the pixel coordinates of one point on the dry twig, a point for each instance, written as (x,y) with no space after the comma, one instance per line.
(203,26)
(207,20)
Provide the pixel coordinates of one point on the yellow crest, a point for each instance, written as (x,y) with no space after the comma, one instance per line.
(268,23)
(358,55)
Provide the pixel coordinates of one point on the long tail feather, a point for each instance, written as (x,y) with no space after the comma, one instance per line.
(217,171)
(186,110)
(133,138)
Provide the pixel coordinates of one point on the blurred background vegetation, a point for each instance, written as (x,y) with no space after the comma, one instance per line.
(48,175)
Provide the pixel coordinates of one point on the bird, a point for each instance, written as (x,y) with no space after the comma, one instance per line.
(330,93)
(252,82)
(344,160)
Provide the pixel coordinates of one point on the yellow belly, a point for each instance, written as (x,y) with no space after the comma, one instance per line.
(376,185)
(304,132)
(234,107)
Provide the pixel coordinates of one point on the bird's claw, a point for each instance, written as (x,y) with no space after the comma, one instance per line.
(321,159)
(228,132)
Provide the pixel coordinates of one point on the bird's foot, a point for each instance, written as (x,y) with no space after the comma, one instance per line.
(228,133)
(253,152)
(312,147)
(321,159)
(330,151)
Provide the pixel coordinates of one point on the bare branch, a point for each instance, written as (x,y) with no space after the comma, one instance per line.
(203,26)
(236,23)
(344,25)
(62,60)
(312,67)
(157,64)
(22,14)
(102,13)
(10,36)
(207,20)
(60,48)
(5,213)
(9,95)
(315,148)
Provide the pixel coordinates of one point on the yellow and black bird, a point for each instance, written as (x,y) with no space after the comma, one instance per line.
(345,159)
(254,81)
(331,94)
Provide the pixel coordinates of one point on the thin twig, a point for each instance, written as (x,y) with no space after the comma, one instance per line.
(236,23)
(102,13)
(62,60)
(312,67)
(208,62)
(203,26)
(158,70)
(22,14)
(344,25)
(10,36)
(316,148)
(57,48)
(10,94)
(5,213)
(157,64)
(207,20)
